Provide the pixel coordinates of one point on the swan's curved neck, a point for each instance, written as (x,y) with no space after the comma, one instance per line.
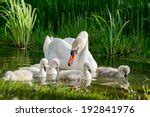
(41,70)
(86,48)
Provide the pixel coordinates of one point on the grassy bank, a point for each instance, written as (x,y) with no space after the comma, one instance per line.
(17,90)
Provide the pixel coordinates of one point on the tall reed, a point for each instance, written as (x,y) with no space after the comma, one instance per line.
(52,12)
(109,32)
(72,28)
(20,19)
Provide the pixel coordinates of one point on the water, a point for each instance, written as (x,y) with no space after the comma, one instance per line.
(140,71)
(12,59)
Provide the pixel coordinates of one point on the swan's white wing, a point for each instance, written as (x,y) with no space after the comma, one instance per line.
(69,40)
(60,49)
(46,43)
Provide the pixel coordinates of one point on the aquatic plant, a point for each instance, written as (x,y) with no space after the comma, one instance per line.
(72,28)
(20,19)
(109,32)
(60,12)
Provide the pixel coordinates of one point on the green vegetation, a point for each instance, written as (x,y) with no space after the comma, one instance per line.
(109,33)
(115,27)
(17,90)
(20,19)
(37,91)
(123,33)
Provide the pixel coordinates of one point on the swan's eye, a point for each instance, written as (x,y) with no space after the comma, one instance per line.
(74,51)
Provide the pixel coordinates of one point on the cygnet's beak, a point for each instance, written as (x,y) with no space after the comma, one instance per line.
(125,75)
(57,68)
(46,66)
(90,70)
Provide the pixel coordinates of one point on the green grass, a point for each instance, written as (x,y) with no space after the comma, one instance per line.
(17,90)
(10,90)
(20,19)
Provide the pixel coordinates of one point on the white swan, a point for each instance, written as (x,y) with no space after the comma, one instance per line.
(121,72)
(71,53)
(53,70)
(18,75)
(39,73)
(77,75)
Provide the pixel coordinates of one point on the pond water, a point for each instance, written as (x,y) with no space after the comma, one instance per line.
(12,59)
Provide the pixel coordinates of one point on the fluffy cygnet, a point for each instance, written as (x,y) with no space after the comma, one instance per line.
(53,70)
(121,72)
(18,75)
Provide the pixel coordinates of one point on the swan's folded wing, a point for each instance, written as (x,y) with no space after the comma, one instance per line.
(46,43)
(69,40)
(58,48)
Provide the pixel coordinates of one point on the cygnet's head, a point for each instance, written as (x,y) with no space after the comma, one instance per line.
(125,69)
(44,63)
(54,63)
(9,75)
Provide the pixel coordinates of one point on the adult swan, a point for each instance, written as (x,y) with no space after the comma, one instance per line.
(72,53)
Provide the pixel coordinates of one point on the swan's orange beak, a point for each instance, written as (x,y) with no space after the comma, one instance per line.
(72,59)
